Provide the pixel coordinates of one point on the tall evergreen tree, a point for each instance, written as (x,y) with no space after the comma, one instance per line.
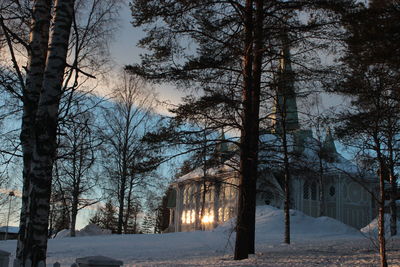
(235,43)
(106,217)
(371,76)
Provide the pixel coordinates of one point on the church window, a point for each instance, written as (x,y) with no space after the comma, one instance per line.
(220,214)
(186,196)
(332,191)
(344,191)
(354,193)
(231,212)
(192,216)
(210,194)
(192,194)
(306,190)
(268,197)
(314,190)
(226,213)
(184,216)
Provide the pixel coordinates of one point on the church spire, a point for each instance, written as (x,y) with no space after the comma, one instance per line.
(285,101)
(222,148)
(329,145)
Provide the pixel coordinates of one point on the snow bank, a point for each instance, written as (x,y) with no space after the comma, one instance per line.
(10,229)
(88,230)
(63,233)
(315,242)
(92,229)
(372,228)
(270,224)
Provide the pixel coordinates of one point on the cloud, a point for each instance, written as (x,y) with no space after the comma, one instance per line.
(5,191)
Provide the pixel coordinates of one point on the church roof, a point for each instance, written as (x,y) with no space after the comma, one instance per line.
(302,144)
(199,172)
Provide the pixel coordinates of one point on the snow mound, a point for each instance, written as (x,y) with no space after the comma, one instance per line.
(63,233)
(270,223)
(372,228)
(88,230)
(92,229)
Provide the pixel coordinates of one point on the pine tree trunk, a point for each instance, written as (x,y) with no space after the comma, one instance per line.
(203,201)
(321,189)
(34,245)
(244,209)
(204,192)
(393,207)
(381,220)
(38,39)
(287,179)
(257,69)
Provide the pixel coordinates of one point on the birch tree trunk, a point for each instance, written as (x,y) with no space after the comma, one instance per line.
(37,52)
(34,246)
(74,208)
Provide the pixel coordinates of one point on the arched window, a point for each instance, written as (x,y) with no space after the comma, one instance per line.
(314,190)
(306,194)
(332,191)
(268,197)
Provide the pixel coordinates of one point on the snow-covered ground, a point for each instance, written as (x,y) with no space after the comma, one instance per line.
(372,227)
(315,242)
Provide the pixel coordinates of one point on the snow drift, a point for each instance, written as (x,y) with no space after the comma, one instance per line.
(88,230)
(213,248)
(270,223)
(372,228)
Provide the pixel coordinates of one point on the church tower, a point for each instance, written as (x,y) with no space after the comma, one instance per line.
(222,149)
(285,106)
(328,147)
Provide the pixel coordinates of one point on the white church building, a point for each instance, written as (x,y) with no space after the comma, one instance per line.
(215,194)
(327,185)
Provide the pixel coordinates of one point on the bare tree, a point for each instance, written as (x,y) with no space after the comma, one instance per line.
(126,122)
(18,18)
(42,126)
(76,174)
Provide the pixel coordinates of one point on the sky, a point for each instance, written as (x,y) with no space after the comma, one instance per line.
(125,52)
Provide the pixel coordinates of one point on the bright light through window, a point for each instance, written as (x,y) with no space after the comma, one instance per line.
(208,218)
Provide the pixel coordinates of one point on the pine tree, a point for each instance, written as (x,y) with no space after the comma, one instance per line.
(162,215)
(148,224)
(235,43)
(106,217)
(371,77)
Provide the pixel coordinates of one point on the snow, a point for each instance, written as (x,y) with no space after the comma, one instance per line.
(372,228)
(88,230)
(315,242)
(270,224)
(11,229)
